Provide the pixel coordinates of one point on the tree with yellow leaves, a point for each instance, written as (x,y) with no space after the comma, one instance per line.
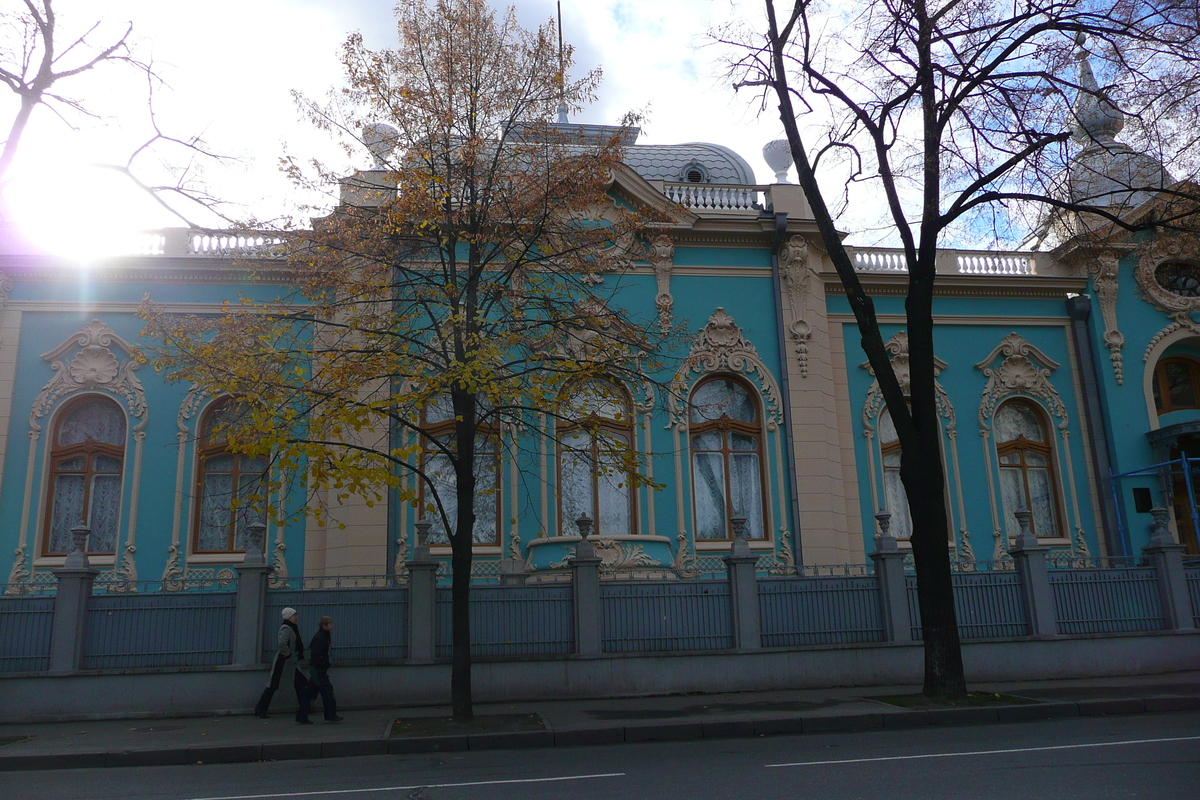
(459,289)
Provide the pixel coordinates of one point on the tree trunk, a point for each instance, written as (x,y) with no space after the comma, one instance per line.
(924,477)
(462,541)
(924,481)
(921,468)
(460,616)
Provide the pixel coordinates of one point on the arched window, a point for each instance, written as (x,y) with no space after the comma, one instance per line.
(726,443)
(1176,384)
(223,477)
(592,475)
(437,423)
(895,500)
(87,453)
(1027,478)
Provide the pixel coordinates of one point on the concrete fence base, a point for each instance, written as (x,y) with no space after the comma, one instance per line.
(150,693)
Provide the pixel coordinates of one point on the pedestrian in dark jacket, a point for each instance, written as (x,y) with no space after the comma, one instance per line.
(320,661)
(290,653)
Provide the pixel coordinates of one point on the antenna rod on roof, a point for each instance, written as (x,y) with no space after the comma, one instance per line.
(562,75)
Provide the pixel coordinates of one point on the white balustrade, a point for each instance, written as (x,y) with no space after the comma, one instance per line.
(148,243)
(996,264)
(977,262)
(714,196)
(225,245)
(880,261)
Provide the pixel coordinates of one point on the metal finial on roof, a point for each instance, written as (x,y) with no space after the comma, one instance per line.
(1096,118)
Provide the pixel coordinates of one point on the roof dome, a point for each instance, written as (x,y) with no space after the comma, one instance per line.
(1106,172)
(694,162)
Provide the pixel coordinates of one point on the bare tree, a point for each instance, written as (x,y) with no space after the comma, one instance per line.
(35,63)
(961,114)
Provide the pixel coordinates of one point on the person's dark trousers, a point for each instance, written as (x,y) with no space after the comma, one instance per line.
(319,684)
(264,702)
(300,684)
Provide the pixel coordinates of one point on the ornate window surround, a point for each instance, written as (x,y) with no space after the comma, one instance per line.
(626,427)
(873,407)
(55,452)
(184,566)
(720,347)
(1024,371)
(94,360)
(1182,331)
(1162,250)
(1178,308)
(1043,449)
(1193,368)
(723,426)
(500,436)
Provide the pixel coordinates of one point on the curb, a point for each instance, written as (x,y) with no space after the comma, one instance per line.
(627,734)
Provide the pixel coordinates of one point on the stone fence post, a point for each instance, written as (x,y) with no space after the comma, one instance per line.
(75,580)
(422,583)
(1167,556)
(253,576)
(743,590)
(1037,597)
(893,592)
(585,590)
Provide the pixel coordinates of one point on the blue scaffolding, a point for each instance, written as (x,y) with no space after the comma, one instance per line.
(1165,472)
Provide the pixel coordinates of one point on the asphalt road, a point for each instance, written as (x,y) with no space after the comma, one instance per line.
(1152,756)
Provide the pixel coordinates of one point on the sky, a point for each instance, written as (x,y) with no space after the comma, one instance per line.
(229,68)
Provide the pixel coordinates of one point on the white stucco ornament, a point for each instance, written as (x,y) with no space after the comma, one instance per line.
(778,155)
(93,366)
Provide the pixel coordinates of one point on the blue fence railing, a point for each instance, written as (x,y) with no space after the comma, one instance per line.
(511,621)
(25,625)
(368,623)
(649,617)
(986,605)
(1107,601)
(819,611)
(135,625)
(158,630)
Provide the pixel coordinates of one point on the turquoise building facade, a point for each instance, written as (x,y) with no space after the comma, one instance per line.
(1068,378)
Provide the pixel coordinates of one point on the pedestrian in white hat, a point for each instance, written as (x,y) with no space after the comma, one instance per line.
(291,652)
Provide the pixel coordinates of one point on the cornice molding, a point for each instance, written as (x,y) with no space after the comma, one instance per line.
(142,269)
(951,319)
(966,286)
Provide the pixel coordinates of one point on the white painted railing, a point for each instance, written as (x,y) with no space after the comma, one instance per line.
(955,262)
(226,245)
(880,261)
(205,244)
(715,196)
(996,264)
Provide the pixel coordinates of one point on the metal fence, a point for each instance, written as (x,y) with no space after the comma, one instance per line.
(819,611)
(511,621)
(986,604)
(25,624)
(150,624)
(160,629)
(1193,585)
(369,623)
(684,615)
(1107,601)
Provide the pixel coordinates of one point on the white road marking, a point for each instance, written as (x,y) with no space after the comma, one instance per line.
(414,786)
(986,752)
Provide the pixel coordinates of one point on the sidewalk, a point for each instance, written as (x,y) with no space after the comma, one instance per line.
(125,743)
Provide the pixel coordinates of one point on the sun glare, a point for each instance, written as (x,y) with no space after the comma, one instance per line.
(80,211)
